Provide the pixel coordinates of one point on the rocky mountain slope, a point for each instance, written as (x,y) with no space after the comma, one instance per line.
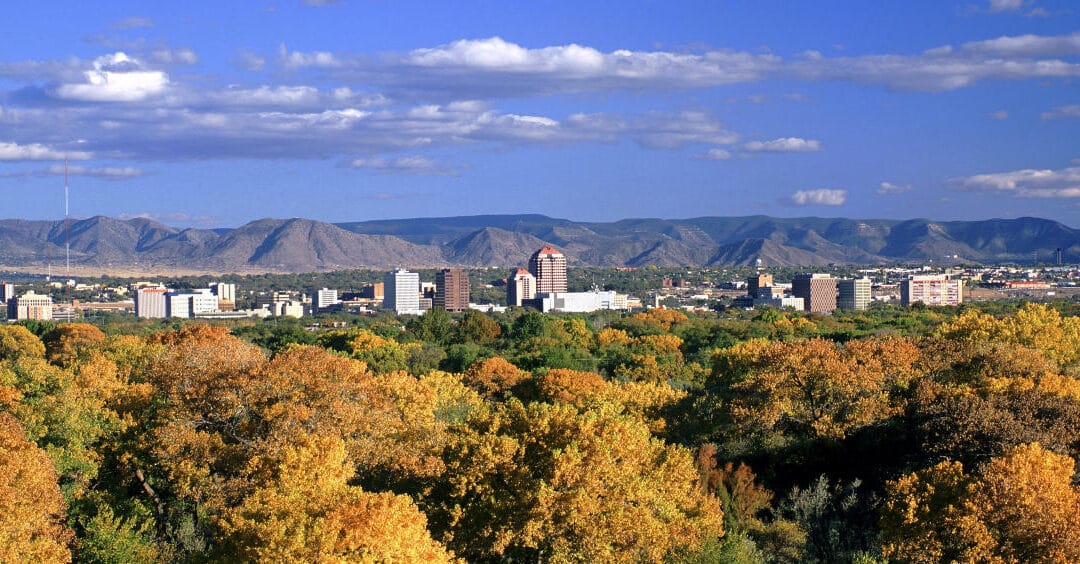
(297,245)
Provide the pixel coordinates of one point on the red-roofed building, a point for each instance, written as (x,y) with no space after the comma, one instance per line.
(521,286)
(548,265)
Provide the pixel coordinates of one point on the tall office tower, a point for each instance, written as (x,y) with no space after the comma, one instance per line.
(758,281)
(548,265)
(150,302)
(7,293)
(520,286)
(30,306)
(853,293)
(933,289)
(401,290)
(323,299)
(818,292)
(452,289)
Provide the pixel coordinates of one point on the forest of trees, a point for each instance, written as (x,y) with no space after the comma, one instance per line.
(906,435)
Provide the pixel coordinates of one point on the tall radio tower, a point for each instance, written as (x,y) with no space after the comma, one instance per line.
(67,226)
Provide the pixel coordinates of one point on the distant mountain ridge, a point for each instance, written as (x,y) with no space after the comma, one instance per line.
(301,245)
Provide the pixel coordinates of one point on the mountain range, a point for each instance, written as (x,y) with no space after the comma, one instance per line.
(304,245)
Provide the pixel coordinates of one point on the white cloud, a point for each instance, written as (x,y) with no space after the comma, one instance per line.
(819,197)
(890,188)
(716,154)
(413,165)
(784,145)
(1027,45)
(116,78)
(105,173)
(1005,5)
(999,115)
(37,152)
(297,59)
(1026,183)
(1072,110)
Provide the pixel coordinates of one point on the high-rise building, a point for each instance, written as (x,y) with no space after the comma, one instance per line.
(322,300)
(548,265)
(150,302)
(521,286)
(818,292)
(932,289)
(7,293)
(401,290)
(758,281)
(853,293)
(30,306)
(452,289)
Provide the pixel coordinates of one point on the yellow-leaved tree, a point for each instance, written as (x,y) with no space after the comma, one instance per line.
(300,508)
(31,507)
(1022,507)
(553,482)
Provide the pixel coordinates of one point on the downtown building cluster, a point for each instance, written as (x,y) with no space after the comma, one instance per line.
(823,293)
(543,286)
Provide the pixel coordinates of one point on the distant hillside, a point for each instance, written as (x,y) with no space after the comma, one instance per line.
(297,245)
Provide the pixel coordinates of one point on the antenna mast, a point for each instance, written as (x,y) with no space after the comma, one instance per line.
(67,225)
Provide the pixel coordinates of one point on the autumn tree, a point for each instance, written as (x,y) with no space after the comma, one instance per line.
(16,341)
(32,528)
(807,388)
(300,508)
(493,377)
(65,342)
(552,481)
(1022,507)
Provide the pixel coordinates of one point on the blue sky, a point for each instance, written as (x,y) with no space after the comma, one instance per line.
(215,114)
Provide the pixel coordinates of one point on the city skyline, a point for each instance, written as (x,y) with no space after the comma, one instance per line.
(213,116)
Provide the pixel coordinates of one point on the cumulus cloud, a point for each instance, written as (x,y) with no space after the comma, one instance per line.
(116,78)
(1072,110)
(890,188)
(413,165)
(37,152)
(716,154)
(298,59)
(1026,183)
(784,145)
(819,197)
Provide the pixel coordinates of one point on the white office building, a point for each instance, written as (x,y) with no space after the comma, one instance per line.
(150,303)
(580,302)
(190,304)
(323,299)
(402,292)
